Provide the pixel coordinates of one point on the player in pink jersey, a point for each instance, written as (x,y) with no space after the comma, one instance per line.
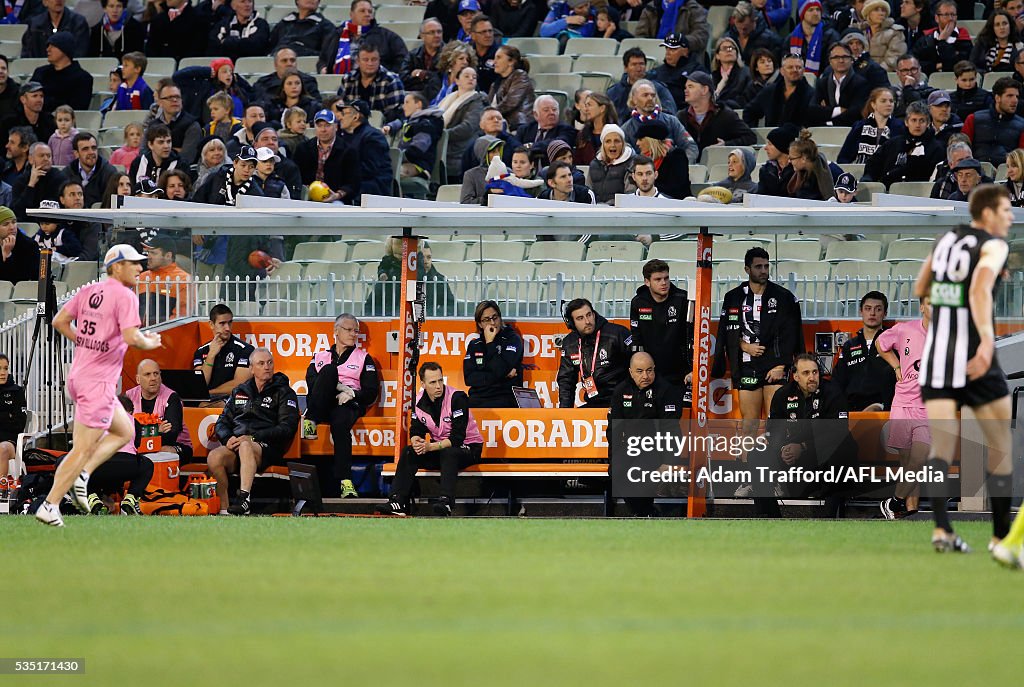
(901,347)
(106,322)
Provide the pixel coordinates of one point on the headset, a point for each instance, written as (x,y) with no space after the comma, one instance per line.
(574,304)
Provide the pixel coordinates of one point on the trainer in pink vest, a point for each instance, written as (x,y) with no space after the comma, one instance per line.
(348,371)
(162,396)
(442,431)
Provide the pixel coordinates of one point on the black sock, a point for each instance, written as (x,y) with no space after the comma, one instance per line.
(937,497)
(999,489)
(243,494)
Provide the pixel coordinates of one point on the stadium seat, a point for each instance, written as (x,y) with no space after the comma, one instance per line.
(562,97)
(498,251)
(944,81)
(79,273)
(906,269)
(596,82)
(719,155)
(328,83)
(557,251)
(24,66)
(306,63)
(590,46)
(318,251)
(761,132)
(620,269)
(286,284)
(596,64)
(685,251)
(866,189)
(908,249)
(555,81)
(1000,172)
(717,173)
(551,64)
(514,286)
(853,250)
(119,119)
(718,21)
(449,193)
(388,14)
(258,66)
(447,251)
(698,174)
(607,251)
(650,46)
(577,281)
(683,271)
(405,29)
(733,250)
(198,61)
(341,270)
(861,268)
(99,67)
(728,270)
(799,250)
(806,269)
(88,120)
(856,170)
(464,281)
(535,46)
(6,288)
(829,135)
(111,138)
(12,32)
(367,252)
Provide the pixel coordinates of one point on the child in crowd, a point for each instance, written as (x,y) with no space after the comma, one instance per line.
(59,238)
(134,93)
(608,25)
(223,124)
(294,131)
(845,189)
(126,154)
(114,79)
(60,140)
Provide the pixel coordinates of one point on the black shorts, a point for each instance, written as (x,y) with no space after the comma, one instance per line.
(980,392)
(272,455)
(750,379)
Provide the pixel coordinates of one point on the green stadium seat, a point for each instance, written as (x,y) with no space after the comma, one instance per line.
(318,251)
(650,46)
(853,250)
(591,46)
(367,252)
(908,249)
(557,251)
(685,251)
(600,64)
(449,193)
(809,251)
(447,251)
(498,251)
(829,135)
(550,64)
(618,251)
(119,119)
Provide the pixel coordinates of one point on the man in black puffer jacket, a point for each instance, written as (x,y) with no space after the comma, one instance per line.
(910,157)
(258,423)
(594,354)
(657,321)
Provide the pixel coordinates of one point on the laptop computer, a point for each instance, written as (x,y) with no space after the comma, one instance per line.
(190,385)
(526,398)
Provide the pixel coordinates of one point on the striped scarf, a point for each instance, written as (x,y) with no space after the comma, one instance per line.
(812,55)
(343,58)
(641,117)
(109,27)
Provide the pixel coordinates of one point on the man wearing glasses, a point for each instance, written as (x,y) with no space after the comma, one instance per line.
(840,93)
(913,84)
(185,130)
(481,34)
(494,360)
(342,383)
(942,47)
(419,71)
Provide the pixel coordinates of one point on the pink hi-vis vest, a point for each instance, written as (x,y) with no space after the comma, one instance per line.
(348,371)
(162,396)
(442,431)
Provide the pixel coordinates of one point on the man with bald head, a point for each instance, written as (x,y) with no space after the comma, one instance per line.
(644,396)
(151,396)
(38,182)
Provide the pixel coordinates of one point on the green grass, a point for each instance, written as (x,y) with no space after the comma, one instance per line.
(167,601)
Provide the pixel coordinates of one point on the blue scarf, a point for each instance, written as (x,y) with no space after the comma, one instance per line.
(812,57)
(446,88)
(669,14)
(463,37)
(119,26)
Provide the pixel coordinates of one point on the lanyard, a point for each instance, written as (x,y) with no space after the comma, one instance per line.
(593,362)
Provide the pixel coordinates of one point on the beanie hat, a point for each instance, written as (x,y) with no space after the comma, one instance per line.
(556,148)
(258,127)
(806,5)
(612,129)
(783,136)
(63,41)
(6,213)
(219,62)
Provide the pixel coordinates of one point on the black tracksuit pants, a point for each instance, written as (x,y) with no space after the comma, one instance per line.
(342,419)
(449,460)
(121,468)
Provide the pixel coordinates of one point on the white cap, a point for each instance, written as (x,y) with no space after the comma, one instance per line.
(264,154)
(122,251)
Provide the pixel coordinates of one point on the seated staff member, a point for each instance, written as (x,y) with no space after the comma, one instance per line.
(657,322)
(342,383)
(258,423)
(224,360)
(494,361)
(126,465)
(151,396)
(594,354)
(12,415)
(455,442)
(645,396)
(861,374)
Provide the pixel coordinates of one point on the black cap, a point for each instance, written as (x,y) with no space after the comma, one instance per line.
(360,106)
(147,186)
(247,153)
(846,182)
(30,87)
(675,40)
(703,78)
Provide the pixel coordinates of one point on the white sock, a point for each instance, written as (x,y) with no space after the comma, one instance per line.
(223,511)
(84,476)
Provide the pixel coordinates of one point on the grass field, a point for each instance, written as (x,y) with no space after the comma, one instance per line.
(196,601)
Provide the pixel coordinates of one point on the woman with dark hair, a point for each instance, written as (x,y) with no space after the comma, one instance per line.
(731,78)
(997,44)
(915,18)
(512,90)
(292,93)
(598,111)
(176,184)
(877,127)
(764,68)
(117,185)
(117,32)
(494,360)
(813,176)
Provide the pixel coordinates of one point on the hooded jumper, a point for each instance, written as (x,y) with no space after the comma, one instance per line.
(744,184)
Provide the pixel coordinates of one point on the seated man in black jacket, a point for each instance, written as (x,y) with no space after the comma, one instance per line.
(840,93)
(595,355)
(255,429)
(494,360)
(560,186)
(340,171)
(342,383)
(912,156)
(860,373)
(38,182)
(12,414)
(455,442)
(808,429)
(784,101)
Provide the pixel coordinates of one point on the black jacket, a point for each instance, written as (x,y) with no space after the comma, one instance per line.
(374,159)
(269,85)
(674,174)
(966,102)
(97,182)
(428,85)
(660,401)
(183,37)
(862,375)
(390,45)
(196,86)
(271,416)
(527,134)
(486,366)
(304,36)
(781,331)
(322,387)
(820,422)
(852,97)
(69,86)
(43,128)
(773,179)
(39,30)
(661,329)
(341,170)
(460,420)
(608,364)
(12,411)
(132,39)
(213,190)
(719,123)
(23,265)
(873,73)
(776,109)
(225,39)
(48,188)
(905,158)
(580,194)
(931,52)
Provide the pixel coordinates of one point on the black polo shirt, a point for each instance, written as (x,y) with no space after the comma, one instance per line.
(232,355)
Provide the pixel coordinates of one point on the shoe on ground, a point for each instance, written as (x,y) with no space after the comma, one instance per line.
(96,505)
(49,514)
(1005,556)
(891,509)
(443,507)
(348,490)
(391,508)
(130,505)
(744,492)
(240,505)
(80,493)
(951,543)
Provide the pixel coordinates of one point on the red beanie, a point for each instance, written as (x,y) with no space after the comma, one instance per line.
(216,64)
